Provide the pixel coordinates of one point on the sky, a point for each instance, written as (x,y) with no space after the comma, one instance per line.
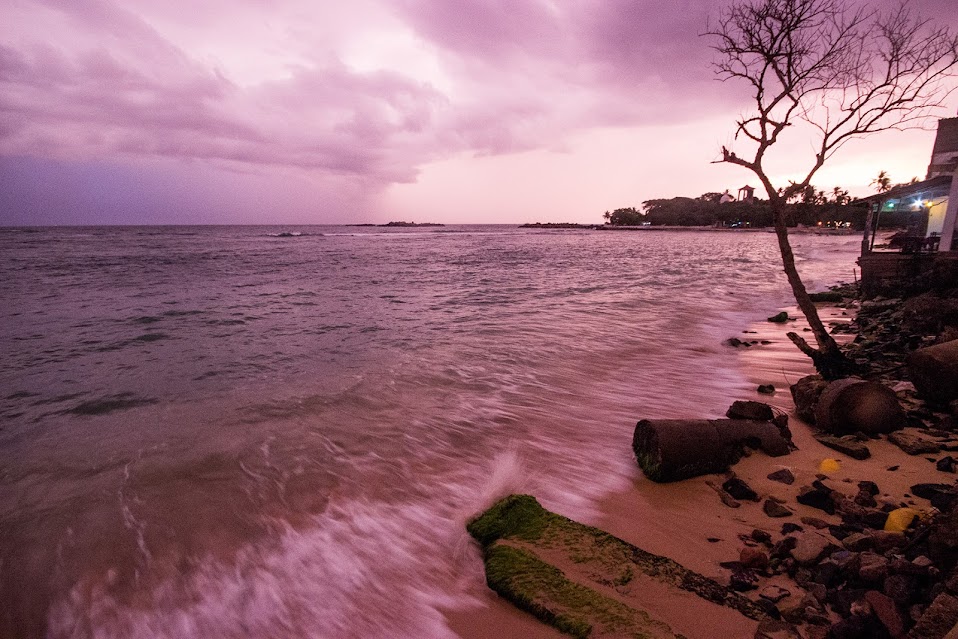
(313,111)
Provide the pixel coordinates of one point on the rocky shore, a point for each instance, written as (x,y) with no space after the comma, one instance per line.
(852,531)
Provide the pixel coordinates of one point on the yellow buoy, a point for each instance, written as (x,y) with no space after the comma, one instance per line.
(899,520)
(829,466)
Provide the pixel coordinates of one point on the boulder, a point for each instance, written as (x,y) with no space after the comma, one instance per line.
(805,393)
(674,449)
(810,547)
(779,318)
(934,371)
(739,490)
(854,405)
(774,509)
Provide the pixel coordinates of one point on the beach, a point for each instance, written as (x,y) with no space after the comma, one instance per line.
(686,521)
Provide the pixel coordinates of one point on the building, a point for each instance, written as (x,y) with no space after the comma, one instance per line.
(929,210)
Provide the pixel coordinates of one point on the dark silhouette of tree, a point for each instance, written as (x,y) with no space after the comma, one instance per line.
(831,72)
(881,183)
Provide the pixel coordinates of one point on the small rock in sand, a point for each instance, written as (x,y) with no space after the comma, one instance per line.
(783,476)
(774,509)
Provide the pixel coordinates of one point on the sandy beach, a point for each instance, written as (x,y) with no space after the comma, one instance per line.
(687,521)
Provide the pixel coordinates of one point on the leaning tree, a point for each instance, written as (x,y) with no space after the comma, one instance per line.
(828,71)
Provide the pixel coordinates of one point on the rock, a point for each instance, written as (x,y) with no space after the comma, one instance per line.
(931,491)
(872,567)
(913,443)
(739,490)
(761,536)
(901,588)
(934,371)
(742,579)
(939,618)
(779,318)
(788,527)
(865,499)
(946,464)
(854,405)
(750,410)
(858,627)
(805,393)
(887,612)
(847,445)
(766,389)
(735,342)
(753,558)
(783,476)
(809,548)
(776,629)
(817,497)
(815,522)
(674,449)
(774,509)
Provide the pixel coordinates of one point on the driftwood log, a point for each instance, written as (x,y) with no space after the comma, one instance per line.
(853,405)
(674,449)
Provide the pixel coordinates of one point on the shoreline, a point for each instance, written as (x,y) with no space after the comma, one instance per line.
(687,522)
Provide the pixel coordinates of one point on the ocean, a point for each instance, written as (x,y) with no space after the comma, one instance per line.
(278,432)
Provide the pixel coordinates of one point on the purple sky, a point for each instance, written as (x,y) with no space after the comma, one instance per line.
(306,111)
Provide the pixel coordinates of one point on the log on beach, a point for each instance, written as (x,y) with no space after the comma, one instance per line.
(852,405)
(674,449)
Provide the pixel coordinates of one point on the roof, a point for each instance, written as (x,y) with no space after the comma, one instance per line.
(935,187)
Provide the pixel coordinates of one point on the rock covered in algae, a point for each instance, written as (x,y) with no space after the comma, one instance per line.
(586,582)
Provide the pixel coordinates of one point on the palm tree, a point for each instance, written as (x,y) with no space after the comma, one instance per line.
(881,183)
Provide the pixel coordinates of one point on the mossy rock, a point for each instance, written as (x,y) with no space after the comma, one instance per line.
(597,595)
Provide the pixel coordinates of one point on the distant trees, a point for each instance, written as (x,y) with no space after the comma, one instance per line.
(624,217)
(831,72)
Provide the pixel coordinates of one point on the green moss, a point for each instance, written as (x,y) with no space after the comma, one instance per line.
(543,590)
(522,520)
(515,517)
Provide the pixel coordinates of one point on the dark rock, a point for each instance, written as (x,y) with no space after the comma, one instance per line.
(783,476)
(734,342)
(853,405)
(788,527)
(939,618)
(761,536)
(827,573)
(901,588)
(858,627)
(847,445)
(817,498)
(750,410)
(779,318)
(784,547)
(775,629)
(739,490)
(934,371)
(928,491)
(913,443)
(887,612)
(712,540)
(946,464)
(892,468)
(872,567)
(743,579)
(842,600)
(753,558)
(766,389)
(770,609)
(774,509)
(805,393)
(875,519)
(815,522)
(866,499)
(869,486)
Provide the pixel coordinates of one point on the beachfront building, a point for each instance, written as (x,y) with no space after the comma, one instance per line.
(746,194)
(928,210)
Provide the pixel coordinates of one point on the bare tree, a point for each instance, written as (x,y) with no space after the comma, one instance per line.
(832,72)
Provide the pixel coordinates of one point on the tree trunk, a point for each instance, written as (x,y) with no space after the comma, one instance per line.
(828,359)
